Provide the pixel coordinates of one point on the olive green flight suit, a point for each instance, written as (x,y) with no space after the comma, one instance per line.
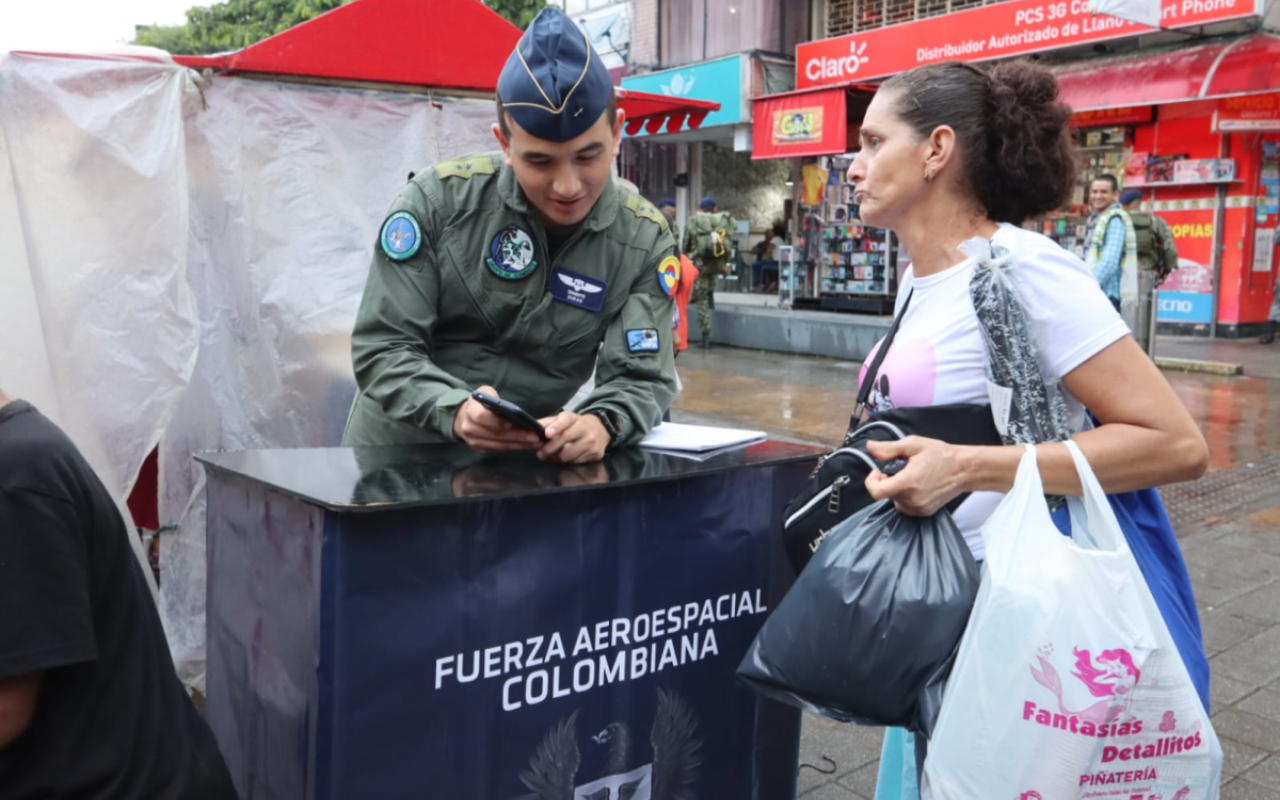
(477,304)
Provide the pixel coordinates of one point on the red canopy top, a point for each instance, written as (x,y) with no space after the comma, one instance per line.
(450,44)
(1248,65)
(653,111)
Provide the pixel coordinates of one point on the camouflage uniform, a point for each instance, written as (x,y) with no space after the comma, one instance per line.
(709,266)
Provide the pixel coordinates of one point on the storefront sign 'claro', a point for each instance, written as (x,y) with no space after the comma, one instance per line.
(995,31)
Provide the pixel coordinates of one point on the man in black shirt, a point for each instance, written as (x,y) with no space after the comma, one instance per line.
(90,705)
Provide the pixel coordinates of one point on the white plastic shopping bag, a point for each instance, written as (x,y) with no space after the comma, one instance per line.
(1067,684)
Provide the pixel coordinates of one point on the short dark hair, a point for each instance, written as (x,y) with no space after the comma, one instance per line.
(1019,160)
(610,113)
(1109,178)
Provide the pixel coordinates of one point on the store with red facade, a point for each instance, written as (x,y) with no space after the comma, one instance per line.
(1188,112)
(1198,130)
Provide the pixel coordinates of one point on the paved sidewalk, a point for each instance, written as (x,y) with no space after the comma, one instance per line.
(1258,360)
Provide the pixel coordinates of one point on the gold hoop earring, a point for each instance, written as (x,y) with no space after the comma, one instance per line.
(928,177)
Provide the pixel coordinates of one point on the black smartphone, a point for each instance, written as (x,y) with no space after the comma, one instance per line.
(511,413)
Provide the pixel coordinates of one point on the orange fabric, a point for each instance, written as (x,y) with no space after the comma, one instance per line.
(683,289)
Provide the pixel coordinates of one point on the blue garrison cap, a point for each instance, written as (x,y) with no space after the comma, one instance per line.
(1129,195)
(554,85)
(666,201)
(707,202)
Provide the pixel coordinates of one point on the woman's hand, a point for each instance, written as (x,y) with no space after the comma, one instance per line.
(933,477)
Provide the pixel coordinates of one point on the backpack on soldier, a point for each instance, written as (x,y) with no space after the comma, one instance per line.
(1156,249)
(1168,248)
(1144,234)
(698,232)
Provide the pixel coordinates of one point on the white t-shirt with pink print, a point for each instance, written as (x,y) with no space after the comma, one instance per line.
(938,356)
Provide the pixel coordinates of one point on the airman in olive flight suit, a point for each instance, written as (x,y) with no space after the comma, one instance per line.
(518,273)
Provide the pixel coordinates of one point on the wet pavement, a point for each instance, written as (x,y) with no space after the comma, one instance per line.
(810,398)
(1227,522)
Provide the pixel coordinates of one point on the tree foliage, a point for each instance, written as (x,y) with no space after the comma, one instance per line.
(175,39)
(231,25)
(518,12)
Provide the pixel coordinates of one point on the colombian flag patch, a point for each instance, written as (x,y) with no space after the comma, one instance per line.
(669,274)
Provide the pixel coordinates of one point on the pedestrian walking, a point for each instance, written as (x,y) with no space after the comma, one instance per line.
(1113,256)
(1157,256)
(706,242)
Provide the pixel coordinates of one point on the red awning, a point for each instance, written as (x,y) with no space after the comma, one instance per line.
(806,122)
(448,44)
(1249,65)
(655,113)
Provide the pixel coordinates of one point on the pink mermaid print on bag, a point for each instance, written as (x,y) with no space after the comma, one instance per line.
(1113,677)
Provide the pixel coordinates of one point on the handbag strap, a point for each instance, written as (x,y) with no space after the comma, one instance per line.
(873,371)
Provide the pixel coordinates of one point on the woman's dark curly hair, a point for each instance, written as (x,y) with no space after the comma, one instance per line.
(1011,129)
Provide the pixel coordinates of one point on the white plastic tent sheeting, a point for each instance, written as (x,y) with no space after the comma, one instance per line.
(98,326)
(184,263)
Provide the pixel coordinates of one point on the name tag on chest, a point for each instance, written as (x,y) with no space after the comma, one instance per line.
(577,289)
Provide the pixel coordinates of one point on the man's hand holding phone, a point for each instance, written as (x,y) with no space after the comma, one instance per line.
(481,427)
(574,439)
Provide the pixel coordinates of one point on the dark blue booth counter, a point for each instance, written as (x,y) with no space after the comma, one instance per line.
(422,623)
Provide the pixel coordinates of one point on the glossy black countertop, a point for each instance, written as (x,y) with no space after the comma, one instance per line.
(379,478)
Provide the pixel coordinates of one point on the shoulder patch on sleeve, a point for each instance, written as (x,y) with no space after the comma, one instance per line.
(644,209)
(401,236)
(669,275)
(643,340)
(465,167)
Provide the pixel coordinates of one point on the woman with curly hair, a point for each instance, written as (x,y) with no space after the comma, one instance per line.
(953,153)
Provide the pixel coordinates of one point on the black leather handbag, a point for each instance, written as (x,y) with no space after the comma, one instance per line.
(837,487)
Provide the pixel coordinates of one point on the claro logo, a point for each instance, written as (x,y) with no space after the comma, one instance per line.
(1176,306)
(827,68)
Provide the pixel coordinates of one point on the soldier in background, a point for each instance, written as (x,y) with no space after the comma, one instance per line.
(1157,258)
(668,208)
(706,242)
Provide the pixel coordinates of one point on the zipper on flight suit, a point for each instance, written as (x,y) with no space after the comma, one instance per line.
(540,241)
(564,248)
(466,286)
(546,248)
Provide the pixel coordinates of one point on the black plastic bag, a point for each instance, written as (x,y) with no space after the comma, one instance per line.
(837,489)
(868,631)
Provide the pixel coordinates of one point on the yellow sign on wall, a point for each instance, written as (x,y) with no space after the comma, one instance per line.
(797,125)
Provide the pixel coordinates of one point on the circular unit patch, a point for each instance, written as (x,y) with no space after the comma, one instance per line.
(401,236)
(511,254)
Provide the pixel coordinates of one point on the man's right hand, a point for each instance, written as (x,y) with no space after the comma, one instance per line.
(486,432)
